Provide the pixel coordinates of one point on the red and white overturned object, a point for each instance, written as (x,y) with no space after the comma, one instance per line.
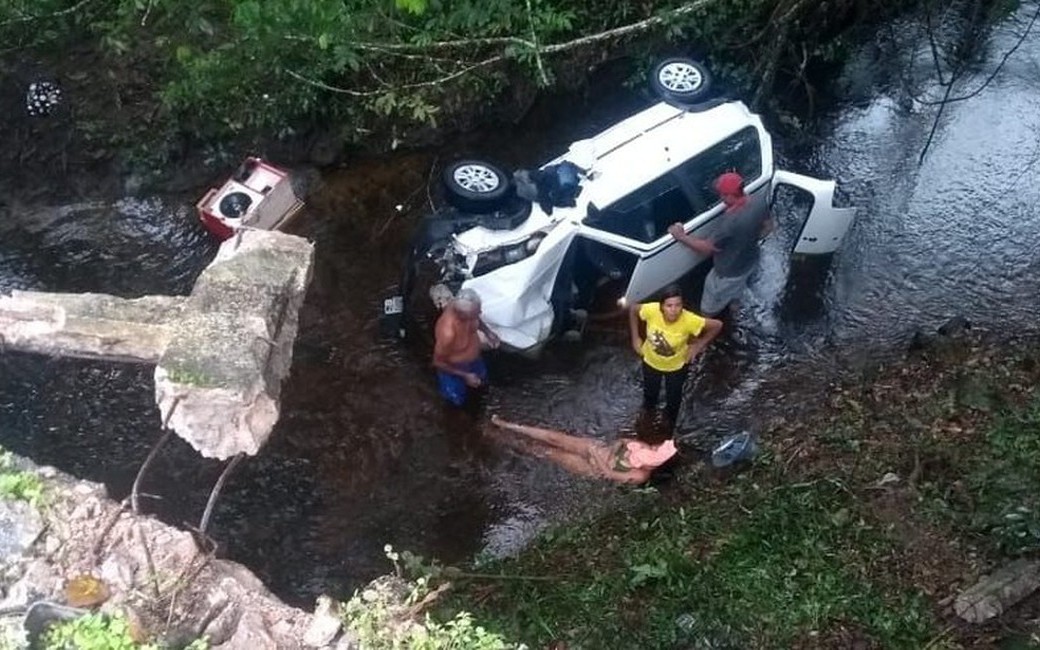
(257,196)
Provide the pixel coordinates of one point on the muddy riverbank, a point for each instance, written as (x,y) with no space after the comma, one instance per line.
(883,491)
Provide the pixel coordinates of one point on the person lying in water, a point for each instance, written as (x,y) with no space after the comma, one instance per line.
(623,461)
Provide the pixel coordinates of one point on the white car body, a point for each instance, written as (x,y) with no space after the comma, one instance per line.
(665,152)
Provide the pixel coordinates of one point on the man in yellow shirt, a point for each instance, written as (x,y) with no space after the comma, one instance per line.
(674,338)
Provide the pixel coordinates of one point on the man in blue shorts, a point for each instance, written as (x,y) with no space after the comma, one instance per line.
(456,350)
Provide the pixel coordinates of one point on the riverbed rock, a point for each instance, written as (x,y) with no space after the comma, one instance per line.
(88,325)
(20,526)
(947,336)
(171,590)
(154,571)
(325,624)
(250,632)
(996,593)
(33,581)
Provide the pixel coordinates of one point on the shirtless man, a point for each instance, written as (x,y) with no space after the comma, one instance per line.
(456,351)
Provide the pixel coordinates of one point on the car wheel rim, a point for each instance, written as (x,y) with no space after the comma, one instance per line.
(679,77)
(476,178)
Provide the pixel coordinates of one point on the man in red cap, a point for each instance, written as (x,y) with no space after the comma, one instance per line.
(733,246)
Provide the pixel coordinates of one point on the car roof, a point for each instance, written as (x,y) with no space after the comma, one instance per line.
(641,148)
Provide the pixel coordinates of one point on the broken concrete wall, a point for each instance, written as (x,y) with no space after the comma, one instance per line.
(219,379)
(222,352)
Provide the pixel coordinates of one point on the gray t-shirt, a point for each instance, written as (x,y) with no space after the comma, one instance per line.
(737,239)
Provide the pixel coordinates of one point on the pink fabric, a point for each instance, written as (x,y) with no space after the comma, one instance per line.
(643,456)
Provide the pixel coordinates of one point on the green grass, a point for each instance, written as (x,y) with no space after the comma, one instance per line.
(1000,499)
(747,567)
(19,485)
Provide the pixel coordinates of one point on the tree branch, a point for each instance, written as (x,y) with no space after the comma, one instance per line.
(617,32)
(462,43)
(534,48)
(625,30)
(537,49)
(409,86)
(64,12)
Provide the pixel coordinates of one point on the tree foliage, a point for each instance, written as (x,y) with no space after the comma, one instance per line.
(235,66)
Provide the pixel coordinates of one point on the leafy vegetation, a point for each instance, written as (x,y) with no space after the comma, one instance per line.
(246,66)
(389,615)
(17,484)
(92,632)
(999,498)
(100,632)
(1006,482)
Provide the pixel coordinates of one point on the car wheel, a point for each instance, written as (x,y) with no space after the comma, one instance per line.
(681,80)
(476,185)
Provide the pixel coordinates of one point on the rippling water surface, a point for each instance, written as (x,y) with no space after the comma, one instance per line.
(365,454)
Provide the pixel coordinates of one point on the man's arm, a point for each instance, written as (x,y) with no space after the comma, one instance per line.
(492,338)
(698,244)
(712,328)
(633,328)
(768,226)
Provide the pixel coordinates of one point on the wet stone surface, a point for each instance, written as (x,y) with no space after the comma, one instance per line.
(20,526)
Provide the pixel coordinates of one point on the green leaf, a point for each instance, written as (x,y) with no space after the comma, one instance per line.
(415,7)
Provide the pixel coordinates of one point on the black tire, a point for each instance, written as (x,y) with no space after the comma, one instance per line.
(476,185)
(679,80)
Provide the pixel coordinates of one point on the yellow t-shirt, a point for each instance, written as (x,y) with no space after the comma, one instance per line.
(667,344)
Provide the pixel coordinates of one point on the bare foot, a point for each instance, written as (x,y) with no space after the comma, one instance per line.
(498,422)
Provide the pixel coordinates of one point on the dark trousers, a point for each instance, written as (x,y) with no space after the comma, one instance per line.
(673,385)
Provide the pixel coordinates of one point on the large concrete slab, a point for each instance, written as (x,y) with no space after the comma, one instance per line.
(221,353)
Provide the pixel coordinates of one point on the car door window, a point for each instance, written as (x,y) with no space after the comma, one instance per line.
(645,214)
(740,152)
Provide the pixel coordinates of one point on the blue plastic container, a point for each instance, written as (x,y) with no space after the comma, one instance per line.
(741,446)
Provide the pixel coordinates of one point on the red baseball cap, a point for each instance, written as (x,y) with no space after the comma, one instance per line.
(730,183)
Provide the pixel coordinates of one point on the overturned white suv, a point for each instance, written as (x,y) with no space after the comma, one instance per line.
(603,212)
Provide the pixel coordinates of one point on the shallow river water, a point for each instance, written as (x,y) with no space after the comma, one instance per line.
(365,454)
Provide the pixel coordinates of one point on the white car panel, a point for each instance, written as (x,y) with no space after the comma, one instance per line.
(479,239)
(825,226)
(658,269)
(515,299)
(646,156)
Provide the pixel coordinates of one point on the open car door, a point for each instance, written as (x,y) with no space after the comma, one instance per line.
(668,262)
(825,226)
